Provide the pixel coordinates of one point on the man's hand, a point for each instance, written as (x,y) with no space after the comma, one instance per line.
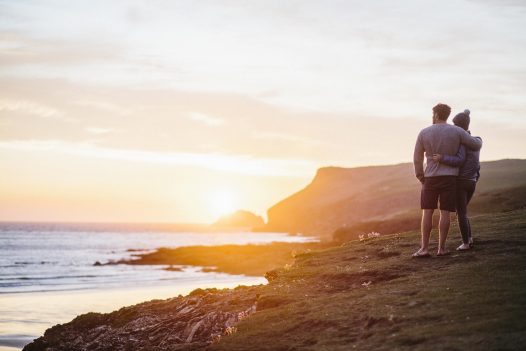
(437,157)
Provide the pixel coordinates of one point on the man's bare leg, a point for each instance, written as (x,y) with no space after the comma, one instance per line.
(443,230)
(425,229)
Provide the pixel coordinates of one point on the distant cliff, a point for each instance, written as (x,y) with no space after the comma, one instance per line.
(239,219)
(366,197)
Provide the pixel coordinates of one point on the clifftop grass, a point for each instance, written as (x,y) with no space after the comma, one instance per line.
(371,295)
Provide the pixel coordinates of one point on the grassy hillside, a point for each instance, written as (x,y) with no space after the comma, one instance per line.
(385,198)
(371,295)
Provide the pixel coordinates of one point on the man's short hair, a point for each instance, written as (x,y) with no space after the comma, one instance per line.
(443,111)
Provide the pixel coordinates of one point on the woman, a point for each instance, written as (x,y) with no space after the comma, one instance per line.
(469,173)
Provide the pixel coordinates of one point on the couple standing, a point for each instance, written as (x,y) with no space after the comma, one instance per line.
(450,176)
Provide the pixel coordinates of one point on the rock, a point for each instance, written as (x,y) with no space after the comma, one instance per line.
(272,275)
(239,219)
(173,269)
(180,323)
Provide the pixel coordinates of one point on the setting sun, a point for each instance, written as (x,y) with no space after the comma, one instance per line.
(222,202)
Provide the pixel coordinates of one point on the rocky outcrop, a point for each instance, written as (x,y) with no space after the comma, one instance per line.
(180,323)
(239,219)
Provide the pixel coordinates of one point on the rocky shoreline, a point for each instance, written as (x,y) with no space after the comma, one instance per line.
(180,323)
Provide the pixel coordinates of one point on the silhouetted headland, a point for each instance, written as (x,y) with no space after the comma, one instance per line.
(240,219)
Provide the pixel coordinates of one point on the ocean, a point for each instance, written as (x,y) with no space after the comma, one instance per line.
(48,276)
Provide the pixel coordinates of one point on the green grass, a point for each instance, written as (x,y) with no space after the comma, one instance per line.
(371,295)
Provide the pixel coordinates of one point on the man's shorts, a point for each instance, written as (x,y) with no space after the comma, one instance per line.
(441,188)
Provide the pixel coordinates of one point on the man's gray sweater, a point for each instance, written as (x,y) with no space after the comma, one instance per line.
(444,139)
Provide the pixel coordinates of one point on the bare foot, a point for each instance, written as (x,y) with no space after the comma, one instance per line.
(421,253)
(442,252)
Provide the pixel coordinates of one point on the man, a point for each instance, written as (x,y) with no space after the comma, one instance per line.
(439,179)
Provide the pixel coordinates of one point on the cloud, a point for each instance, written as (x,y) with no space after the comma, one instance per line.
(157,120)
(287,138)
(18,49)
(242,164)
(33,109)
(205,119)
(105,106)
(345,56)
(502,3)
(98,130)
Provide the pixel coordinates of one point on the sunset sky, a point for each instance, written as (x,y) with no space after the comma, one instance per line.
(181,111)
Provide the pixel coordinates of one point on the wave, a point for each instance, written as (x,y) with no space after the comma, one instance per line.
(104,227)
(29,263)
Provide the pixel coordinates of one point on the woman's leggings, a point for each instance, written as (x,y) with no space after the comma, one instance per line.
(465,190)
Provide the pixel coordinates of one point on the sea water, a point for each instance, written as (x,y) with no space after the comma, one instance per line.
(48,276)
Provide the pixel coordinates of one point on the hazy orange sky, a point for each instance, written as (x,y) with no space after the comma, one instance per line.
(181,111)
